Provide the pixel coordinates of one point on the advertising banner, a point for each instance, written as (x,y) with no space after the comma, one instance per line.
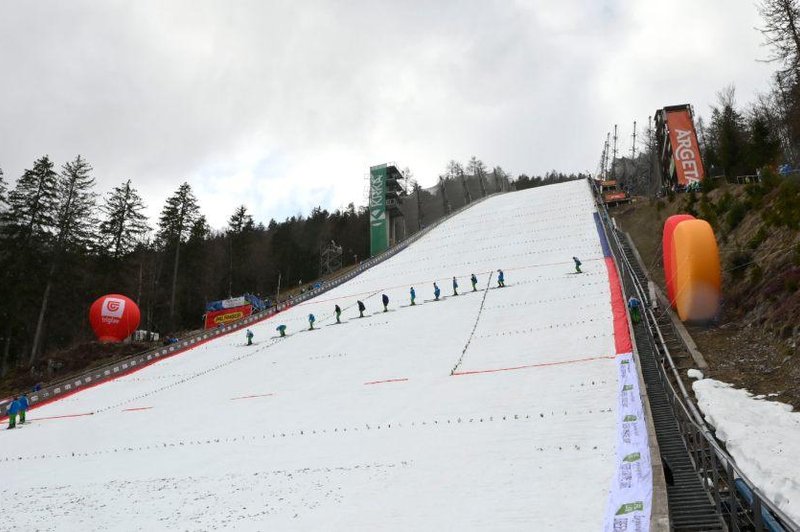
(234,302)
(378,228)
(216,318)
(685,150)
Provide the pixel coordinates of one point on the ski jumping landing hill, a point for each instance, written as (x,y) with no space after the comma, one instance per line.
(499,409)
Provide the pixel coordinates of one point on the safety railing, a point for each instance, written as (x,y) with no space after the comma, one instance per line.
(129,364)
(736,497)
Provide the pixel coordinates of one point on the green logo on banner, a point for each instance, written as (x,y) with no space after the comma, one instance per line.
(633,457)
(378,227)
(627,388)
(627,508)
(629,418)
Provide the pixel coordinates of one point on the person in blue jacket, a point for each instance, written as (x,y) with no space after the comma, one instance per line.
(455,286)
(311,320)
(413,295)
(474,281)
(385,300)
(577,265)
(13,410)
(281,329)
(634,305)
(23,407)
(249,336)
(501,279)
(436,291)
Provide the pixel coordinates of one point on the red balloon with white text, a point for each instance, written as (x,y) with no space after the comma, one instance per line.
(114,317)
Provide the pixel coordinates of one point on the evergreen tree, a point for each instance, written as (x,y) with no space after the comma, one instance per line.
(240,221)
(3,193)
(727,135)
(175,224)
(124,224)
(75,229)
(33,204)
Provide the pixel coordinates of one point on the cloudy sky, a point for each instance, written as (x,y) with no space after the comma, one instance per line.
(284,105)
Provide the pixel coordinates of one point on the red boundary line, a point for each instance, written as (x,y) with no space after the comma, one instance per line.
(136,409)
(527,366)
(61,417)
(385,381)
(622,336)
(252,396)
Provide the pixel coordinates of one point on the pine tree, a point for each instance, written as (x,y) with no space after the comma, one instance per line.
(175,225)
(240,221)
(3,193)
(124,225)
(75,228)
(782,32)
(33,205)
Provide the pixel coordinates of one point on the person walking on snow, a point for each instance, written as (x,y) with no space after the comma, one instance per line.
(436,291)
(577,265)
(385,300)
(501,279)
(249,335)
(634,306)
(23,407)
(311,320)
(338,312)
(281,329)
(455,287)
(13,410)
(361,309)
(474,281)
(413,295)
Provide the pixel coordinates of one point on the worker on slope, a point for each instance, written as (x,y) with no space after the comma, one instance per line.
(455,286)
(385,300)
(338,312)
(436,291)
(13,410)
(474,281)
(281,329)
(413,295)
(577,265)
(634,305)
(23,407)
(501,279)
(361,309)
(311,320)
(249,336)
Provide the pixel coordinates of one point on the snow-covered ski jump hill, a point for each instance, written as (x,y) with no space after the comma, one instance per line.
(502,409)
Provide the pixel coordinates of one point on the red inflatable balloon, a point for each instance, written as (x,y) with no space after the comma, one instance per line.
(114,317)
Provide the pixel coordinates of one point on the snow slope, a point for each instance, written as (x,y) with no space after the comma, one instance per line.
(361,426)
(762,436)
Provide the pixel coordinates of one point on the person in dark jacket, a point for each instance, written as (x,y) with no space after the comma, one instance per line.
(455,287)
(23,407)
(361,308)
(474,281)
(501,279)
(436,291)
(249,336)
(413,295)
(577,265)
(385,300)
(13,410)
(338,312)
(281,329)
(635,307)
(311,320)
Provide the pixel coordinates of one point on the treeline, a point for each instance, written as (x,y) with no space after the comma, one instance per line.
(523,181)
(62,245)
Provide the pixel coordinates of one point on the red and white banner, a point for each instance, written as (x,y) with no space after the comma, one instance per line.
(685,150)
(215,318)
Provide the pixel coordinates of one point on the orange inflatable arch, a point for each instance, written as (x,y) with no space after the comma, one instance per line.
(668,253)
(698,275)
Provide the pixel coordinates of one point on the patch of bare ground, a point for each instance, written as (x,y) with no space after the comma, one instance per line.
(755,343)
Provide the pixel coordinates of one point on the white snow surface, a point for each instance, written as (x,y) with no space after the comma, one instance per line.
(288,435)
(694,374)
(762,436)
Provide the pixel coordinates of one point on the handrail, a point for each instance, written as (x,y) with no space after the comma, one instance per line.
(723,464)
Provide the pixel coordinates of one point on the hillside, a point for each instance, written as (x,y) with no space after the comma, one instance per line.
(754,343)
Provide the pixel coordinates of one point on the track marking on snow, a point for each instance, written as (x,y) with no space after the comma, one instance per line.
(138,408)
(253,396)
(404,379)
(528,366)
(474,327)
(62,417)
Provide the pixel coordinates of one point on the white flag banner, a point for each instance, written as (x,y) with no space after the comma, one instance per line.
(630,499)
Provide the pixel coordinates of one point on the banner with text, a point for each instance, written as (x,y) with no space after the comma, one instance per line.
(378,225)
(685,150)
(216,318)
